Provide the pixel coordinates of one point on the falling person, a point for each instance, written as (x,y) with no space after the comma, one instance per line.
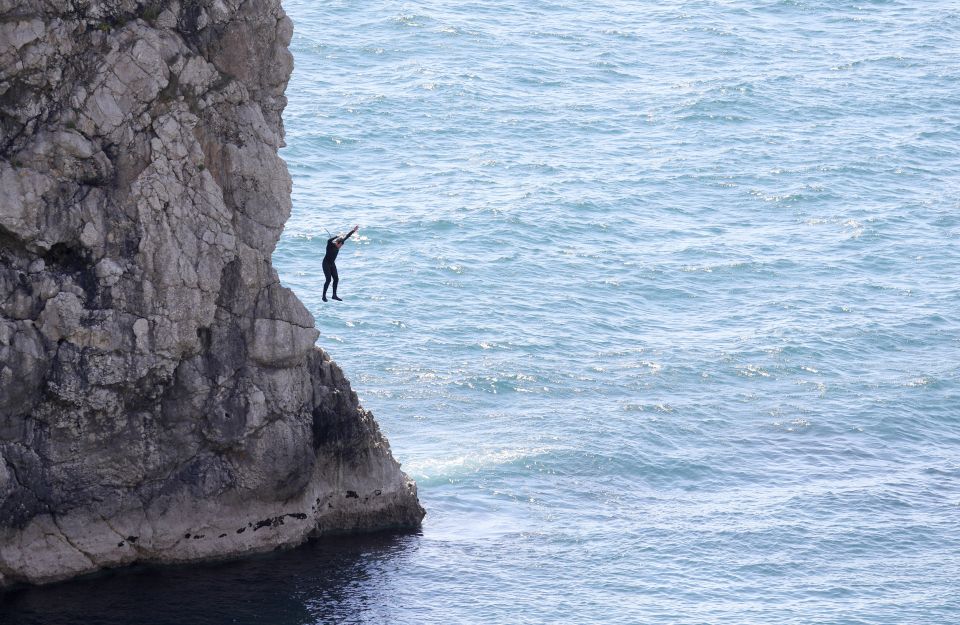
(329,262)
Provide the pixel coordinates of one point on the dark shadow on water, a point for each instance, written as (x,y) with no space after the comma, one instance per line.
(338,579)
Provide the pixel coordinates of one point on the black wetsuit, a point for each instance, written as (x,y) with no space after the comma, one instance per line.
(330,264)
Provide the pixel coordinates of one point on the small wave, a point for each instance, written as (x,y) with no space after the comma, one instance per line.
(793,425)
(341,140)
(451,467)
(496,384)
(651,408)
(751,371)
(777,197)
(409,19)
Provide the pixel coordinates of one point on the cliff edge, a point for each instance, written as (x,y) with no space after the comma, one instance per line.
(161,397)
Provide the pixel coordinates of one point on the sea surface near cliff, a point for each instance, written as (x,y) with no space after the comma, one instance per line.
(657,302)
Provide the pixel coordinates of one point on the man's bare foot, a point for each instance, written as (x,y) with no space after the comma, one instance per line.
(324,298)
(337,298)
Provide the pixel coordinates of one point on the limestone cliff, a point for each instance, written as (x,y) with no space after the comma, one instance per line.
(161,398)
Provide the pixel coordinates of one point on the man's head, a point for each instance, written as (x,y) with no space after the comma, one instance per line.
(338,243)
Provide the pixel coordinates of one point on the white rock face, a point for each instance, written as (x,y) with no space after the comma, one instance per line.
(161,397)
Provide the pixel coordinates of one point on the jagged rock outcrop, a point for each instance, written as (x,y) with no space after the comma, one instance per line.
(161,398)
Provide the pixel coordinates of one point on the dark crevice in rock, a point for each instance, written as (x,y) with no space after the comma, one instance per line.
(11,247)
(73,260)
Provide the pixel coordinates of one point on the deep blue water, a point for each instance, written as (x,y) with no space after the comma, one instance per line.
(657,302)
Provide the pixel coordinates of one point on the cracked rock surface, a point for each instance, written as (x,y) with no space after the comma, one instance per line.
(161,397)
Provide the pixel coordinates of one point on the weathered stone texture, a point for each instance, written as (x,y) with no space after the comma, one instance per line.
(161,397)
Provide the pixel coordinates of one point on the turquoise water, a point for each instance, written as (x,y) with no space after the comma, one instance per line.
(657,302)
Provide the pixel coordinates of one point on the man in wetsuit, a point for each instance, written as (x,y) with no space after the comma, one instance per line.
(329,262)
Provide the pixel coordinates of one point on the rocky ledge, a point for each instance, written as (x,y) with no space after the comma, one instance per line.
(161,397)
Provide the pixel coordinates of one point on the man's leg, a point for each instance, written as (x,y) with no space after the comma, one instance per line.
(326,283)
(336,280)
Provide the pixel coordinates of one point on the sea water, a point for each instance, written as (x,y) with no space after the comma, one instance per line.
(657,303)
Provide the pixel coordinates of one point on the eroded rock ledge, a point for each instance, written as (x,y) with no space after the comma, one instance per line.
(161,398)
